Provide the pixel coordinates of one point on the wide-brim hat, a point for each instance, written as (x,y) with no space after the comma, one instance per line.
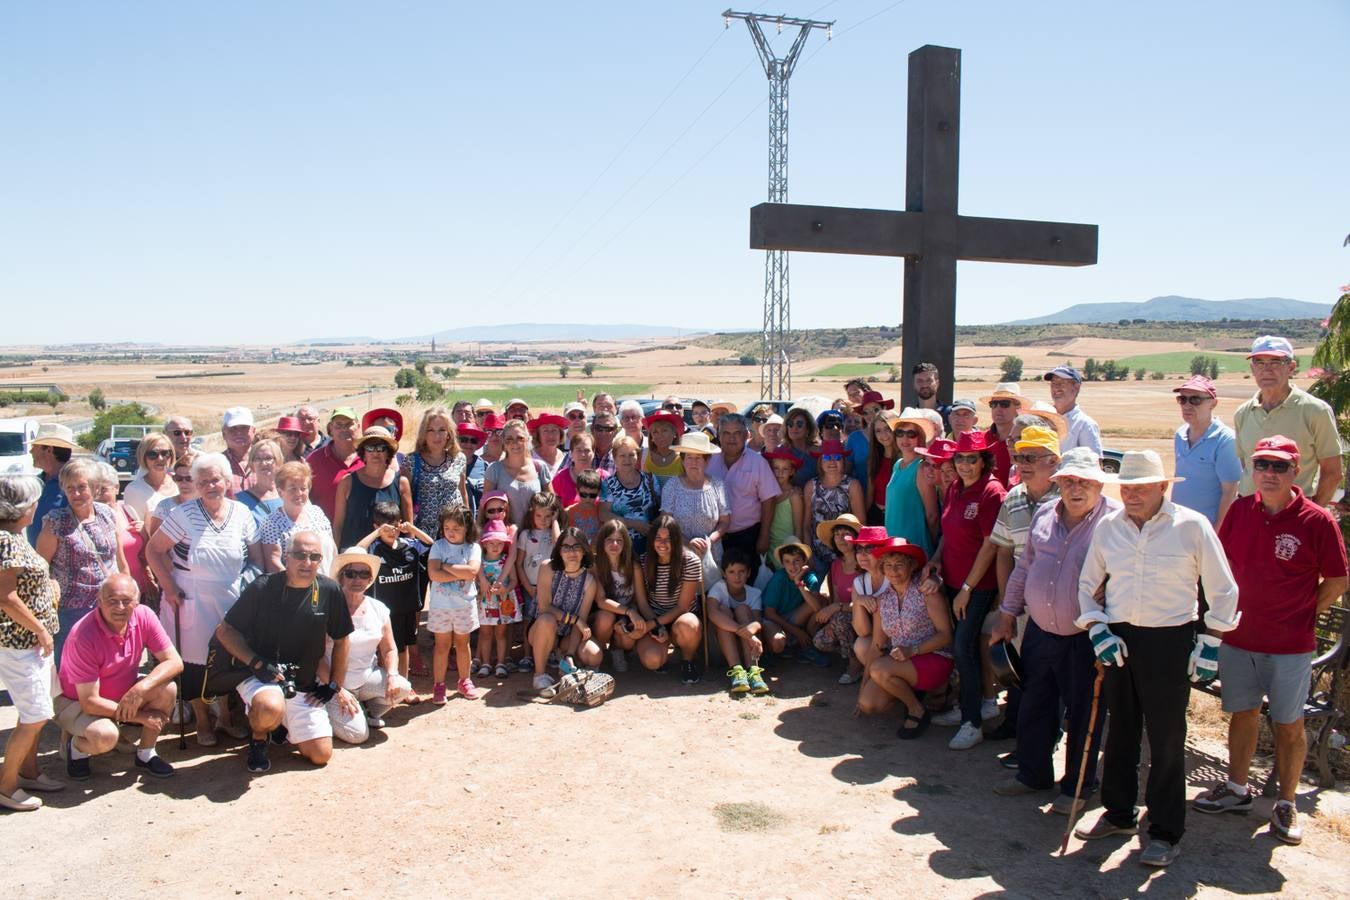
(674,419)
(1005,390)
(383,412)
(466,429)
(792,541)
(874,397)
(825,530)
(912,415)
(1142,467)
(972,442)
(289,423)
(494,421)
(870,535)
(546,419)
(54,434)
(939,451)
(774,419)
(830,448)
(900,545)
(725,406)
(787,456)
(495,530)
(374,434)
(697,443)
(483,405)
(358,556)
(1048,412)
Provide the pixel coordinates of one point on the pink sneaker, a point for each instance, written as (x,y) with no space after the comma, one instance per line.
(438,693)
(467,689)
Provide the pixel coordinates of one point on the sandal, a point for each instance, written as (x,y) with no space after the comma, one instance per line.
(20,801)
(909,732)
(483,671)
(503,671)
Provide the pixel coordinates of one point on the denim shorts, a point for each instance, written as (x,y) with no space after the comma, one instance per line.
(1248,678)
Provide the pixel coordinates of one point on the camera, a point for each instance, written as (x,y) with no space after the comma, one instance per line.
(287,683)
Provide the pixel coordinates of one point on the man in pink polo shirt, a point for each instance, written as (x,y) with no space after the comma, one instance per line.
(1289,562)
(100,684)
(751,491)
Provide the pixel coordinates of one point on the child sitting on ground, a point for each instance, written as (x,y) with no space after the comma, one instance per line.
(734,613)
(790,603)
(585,512)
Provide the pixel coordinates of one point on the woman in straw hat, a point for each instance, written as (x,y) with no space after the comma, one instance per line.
(911,501)
(378,479)
(698,503)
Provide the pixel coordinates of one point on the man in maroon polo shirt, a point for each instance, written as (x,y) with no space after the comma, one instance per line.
(334,460)
(1289,562)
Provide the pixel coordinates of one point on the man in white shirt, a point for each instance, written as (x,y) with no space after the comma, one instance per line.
(1065,383)
(1151,554)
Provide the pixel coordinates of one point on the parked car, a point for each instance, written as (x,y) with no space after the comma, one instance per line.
(16,439)
(1111,460)
(119,448)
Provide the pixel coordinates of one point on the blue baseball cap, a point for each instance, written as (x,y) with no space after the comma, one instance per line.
(830,414)
(1064,372)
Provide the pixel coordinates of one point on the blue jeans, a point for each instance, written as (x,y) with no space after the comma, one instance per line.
(967,647)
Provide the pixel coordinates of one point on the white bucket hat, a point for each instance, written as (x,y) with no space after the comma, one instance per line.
(1142,467)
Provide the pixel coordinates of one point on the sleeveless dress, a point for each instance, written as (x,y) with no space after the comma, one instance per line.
(827,503)
(568,591)
(361,500)
(433,487)
(495,609)
(904,507)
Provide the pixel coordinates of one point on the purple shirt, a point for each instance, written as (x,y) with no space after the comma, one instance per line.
(95,653)
(748,484)
(1045,582)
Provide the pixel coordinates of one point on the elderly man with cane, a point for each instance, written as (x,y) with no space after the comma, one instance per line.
(1151,554)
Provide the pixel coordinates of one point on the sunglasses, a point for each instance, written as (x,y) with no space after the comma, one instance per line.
(363,574)
(159,454)
(1278,466)
(495,511)
(1192,399)
(966,458)
(1003,404)
(831,457)
(912,433)
(798,423)
(181,479)
(302,556)
(759,419)
(588,495)
(604,429)
(469,441)
(1029,459)
(673,407)
(495,433)
(481,413)
(577,416)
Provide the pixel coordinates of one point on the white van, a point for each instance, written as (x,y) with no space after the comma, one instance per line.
(16,439)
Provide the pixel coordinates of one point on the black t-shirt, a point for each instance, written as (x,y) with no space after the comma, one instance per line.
(287,624)
(402,581)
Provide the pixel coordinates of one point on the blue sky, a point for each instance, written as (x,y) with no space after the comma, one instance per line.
(260,172)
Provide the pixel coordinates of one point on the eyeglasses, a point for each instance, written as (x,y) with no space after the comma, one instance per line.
(760,420)
(588,495)
(673,407)
(469,441)
(865,549)
(302,556)
(577,416)
(571,548)
(495,433)
(159,454)
(1030,459)
(604,429)
(1278,466)
(831,457)
(481,413)
(363,574)
(1270,363)
(1192,399)
(181,479)
(181,432)
(631,417)
(965,458)
(1003,404)
(911,433)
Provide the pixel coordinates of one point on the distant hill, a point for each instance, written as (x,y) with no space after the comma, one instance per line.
(1183,309)
(521,332)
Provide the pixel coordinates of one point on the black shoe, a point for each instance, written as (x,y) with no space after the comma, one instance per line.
(1006,731)
(279,735)
(155,767)
(688,672)
(257,756)
(76,769)
(1009,761)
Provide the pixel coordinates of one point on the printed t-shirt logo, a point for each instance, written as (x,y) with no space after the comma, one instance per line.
(972,511)
(1286,545)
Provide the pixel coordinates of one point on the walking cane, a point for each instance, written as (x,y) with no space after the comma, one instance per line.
(1082,763)
(180,705)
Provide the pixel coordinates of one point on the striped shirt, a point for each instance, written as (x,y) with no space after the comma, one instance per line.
(1014,517)
(664,593)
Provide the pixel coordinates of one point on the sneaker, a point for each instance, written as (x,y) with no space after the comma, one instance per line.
(815,657)
(1284,823)
(155,766)
(374,721)
(467,690)
(502,671)
(740,683)
(1009,761)
(757,685)
(280,735)
(257,756)
(566,666)
(1221,798)
(1102,828)
(967,736)
(1015,787)
(1006,731)
(76,769)
(618,660)
(1064,802)
(42,783)
(850,678)
(989,709)
(688,672)
(949,719)
(526,664)
(1159,853)
(438,693)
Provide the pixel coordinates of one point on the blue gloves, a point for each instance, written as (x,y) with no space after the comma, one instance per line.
(1110,649)
(1204,663)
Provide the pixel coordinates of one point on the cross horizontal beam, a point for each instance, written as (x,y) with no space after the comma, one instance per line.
(880,232)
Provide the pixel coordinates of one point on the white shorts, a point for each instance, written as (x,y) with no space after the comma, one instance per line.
(27,675)
(453,621)
(303,722)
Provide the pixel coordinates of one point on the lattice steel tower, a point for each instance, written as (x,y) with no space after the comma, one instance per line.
(775,367)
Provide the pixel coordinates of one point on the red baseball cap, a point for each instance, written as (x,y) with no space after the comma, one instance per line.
(1198,383)
(1277,447)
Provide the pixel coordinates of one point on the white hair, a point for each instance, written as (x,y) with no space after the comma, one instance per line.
(17,494)
(630,406)
(104,473)
(214,461)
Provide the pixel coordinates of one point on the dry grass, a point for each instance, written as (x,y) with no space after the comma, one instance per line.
(748,817)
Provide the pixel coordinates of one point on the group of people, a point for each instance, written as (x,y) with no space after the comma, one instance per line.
(291,572)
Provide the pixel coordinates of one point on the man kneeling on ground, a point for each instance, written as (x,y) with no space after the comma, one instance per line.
(100,684)
(279,625)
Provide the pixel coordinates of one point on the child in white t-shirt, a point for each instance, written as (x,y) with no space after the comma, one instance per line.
(734,612)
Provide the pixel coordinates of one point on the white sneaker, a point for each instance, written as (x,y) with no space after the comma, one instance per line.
(542,682)
(618,660)
(989,709)
(949,719)
(967,736)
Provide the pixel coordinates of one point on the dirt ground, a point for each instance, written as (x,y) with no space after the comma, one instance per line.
(508,796)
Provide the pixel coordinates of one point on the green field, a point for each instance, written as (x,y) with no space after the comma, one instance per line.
(548,396)
(852,370)
(1179,362)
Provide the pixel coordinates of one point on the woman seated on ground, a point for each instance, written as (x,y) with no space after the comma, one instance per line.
(672,574)
(621,611)
(630,495)
(378,479)
(834,621)
(181,475)
(154,480)
(566,593)
(908,649)
(826,497)
(372,658)
(262,499)
(296,514)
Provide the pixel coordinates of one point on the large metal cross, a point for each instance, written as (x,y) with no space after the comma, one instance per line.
(929,234)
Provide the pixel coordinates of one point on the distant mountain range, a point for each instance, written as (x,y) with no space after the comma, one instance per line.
(521,332)
(1182,309)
